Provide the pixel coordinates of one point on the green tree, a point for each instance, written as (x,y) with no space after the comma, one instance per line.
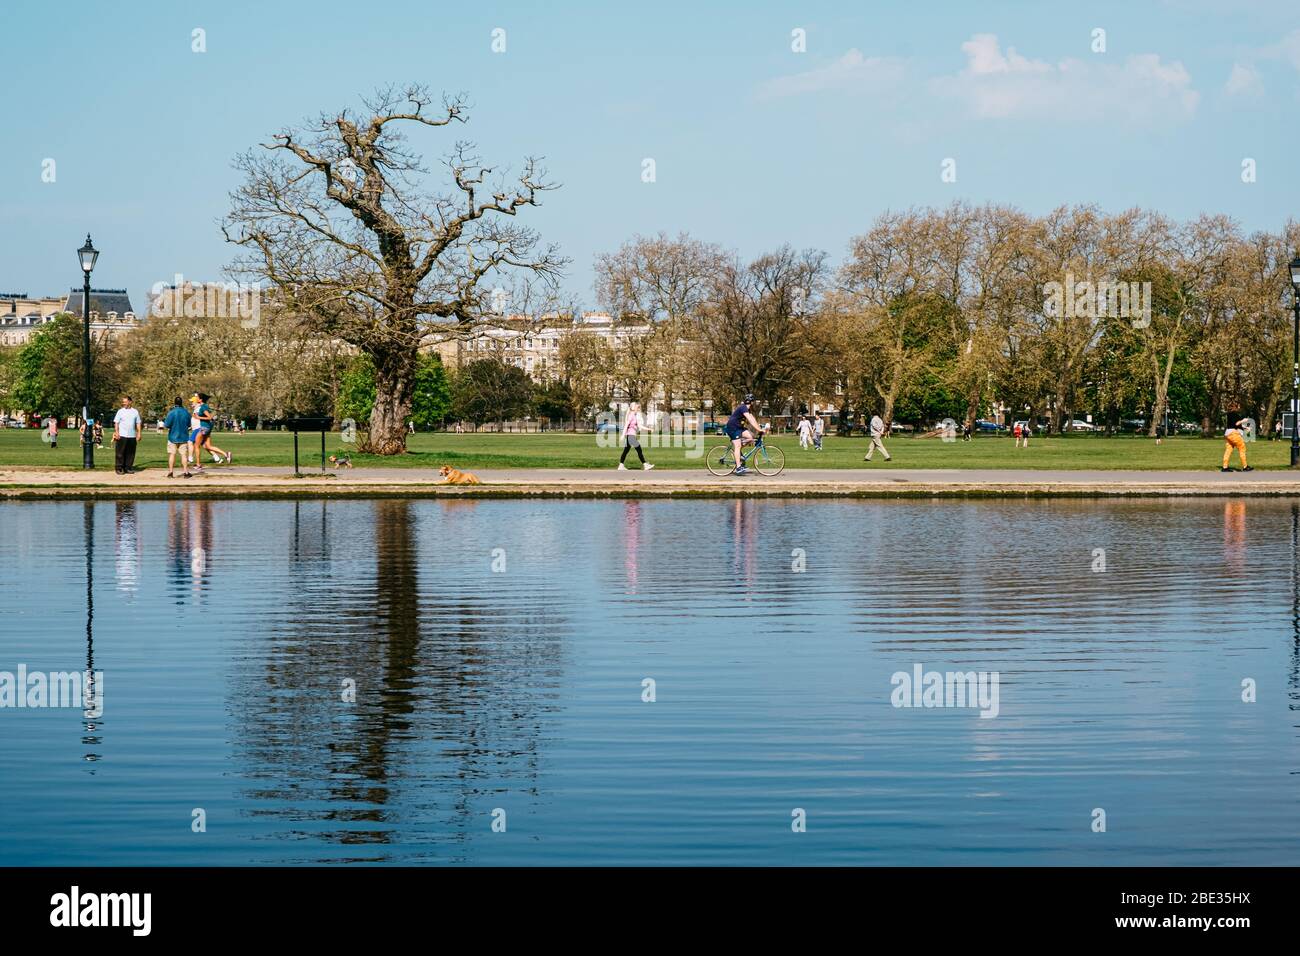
(48,377)
(491,390)
(431,402)
(553,400)
(357,390)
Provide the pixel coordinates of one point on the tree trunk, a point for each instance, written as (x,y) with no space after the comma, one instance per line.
(394,389)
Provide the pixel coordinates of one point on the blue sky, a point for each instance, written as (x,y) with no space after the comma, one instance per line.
(754,144)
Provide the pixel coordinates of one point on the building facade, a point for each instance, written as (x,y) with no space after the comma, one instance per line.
(21,315)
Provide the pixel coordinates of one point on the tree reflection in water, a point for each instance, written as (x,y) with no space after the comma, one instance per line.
(450,683)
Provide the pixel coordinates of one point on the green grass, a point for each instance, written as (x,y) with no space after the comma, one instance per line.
(23,447)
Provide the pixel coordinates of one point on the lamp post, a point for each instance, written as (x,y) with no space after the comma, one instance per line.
(1295,363)
(88,254)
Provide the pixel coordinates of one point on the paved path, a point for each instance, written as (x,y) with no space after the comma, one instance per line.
(865,481)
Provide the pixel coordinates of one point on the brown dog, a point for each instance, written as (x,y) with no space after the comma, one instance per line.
(454,477)
(341,461)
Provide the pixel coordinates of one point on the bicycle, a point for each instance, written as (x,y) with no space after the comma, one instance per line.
(767,460)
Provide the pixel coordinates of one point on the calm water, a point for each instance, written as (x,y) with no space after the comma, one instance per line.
(226,632)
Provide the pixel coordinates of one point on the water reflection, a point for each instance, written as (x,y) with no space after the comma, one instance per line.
(91,729)
(1234,536)
(189,547)
(127,548)
(522,689)
(631,541)
(438,687)
(1295,606)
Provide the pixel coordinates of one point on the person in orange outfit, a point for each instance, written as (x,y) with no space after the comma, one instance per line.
(1235,438)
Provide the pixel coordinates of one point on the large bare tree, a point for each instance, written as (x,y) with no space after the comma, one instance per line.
(337,218)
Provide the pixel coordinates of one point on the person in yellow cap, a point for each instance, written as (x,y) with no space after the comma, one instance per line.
(1235,438)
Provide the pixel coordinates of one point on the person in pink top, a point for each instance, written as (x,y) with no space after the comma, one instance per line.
(632,437)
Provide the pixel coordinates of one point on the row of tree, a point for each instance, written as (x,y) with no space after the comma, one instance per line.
(940,313)
(933,314)
(272,369)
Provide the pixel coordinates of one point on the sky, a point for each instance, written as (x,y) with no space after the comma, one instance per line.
(757,138)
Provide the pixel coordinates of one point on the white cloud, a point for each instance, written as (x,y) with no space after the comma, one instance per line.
(1243,81)
(852,72)
(997,85)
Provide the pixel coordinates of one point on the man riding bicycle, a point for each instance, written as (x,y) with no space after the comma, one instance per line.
(739,434)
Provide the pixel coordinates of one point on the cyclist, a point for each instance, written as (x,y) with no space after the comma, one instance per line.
(739,434)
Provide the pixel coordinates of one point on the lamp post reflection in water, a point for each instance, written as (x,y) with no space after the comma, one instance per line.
(91,737)
(1295,606)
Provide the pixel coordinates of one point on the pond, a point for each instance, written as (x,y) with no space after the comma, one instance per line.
(651,682)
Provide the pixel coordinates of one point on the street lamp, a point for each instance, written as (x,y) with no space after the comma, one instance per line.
(1295,363)
(87,254)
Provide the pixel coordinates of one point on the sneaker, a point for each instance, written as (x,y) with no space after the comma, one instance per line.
(1225,469)
(622,467)
(170,475)
(648,466)
(229,457)
(1249,468)
(742,470)
(186,474)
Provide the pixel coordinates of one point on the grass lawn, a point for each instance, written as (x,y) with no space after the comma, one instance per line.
(23,447)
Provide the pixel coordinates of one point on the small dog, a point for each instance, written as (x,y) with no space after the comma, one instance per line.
(341,461)
(453,477)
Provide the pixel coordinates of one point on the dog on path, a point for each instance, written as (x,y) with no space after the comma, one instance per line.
(341,461)
(453,477)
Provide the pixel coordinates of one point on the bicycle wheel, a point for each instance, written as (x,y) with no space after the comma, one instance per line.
(719,460)
(768,460)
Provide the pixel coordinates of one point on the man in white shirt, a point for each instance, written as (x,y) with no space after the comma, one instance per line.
(877,436)
(126,432)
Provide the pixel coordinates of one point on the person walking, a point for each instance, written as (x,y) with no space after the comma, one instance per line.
(126,432)
(632,437)
(1235,439)
(877,434)
(52,429)
(805,432)
(819,432)
(178,438)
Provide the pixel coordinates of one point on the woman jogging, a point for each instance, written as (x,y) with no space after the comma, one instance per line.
(204,415)
(632,437)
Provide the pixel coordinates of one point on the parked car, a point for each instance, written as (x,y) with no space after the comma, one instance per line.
(607,427)
(711,428)
(987,426)
(1078,425)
